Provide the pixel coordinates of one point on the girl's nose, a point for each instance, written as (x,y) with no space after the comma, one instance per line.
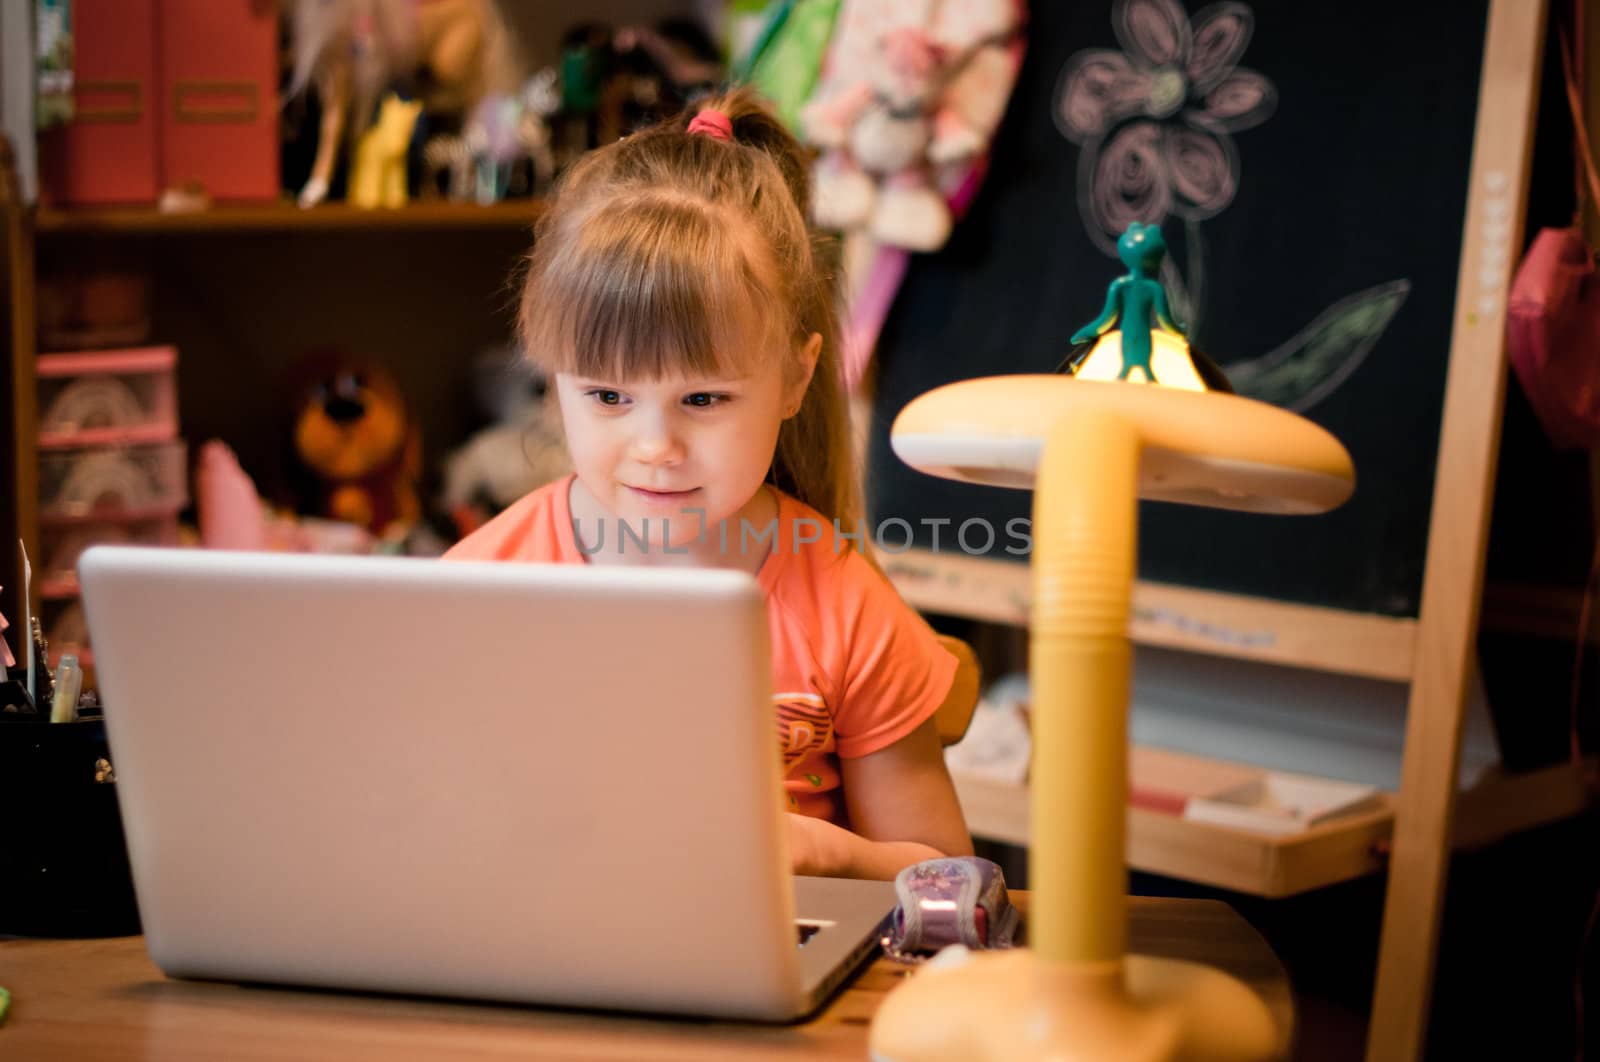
(656,442)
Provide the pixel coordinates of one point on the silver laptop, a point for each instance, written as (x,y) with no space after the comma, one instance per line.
(528,783)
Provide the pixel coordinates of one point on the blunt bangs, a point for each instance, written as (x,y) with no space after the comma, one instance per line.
(656,287)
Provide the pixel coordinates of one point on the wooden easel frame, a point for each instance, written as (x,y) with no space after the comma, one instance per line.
(1458,530)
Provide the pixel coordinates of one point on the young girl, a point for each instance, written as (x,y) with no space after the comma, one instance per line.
(675,295)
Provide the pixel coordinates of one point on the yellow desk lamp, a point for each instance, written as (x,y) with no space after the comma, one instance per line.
(1091,444)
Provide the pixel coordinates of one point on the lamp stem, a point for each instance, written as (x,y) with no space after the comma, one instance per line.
(1084,544)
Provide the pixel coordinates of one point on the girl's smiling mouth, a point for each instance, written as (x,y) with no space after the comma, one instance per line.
(663,495)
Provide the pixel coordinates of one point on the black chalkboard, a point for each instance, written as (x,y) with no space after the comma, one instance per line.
(1326,272)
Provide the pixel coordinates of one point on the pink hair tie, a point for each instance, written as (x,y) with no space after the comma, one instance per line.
(712,123)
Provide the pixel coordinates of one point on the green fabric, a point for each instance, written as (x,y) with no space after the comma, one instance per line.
(788,58)
(743,45)
(580,91)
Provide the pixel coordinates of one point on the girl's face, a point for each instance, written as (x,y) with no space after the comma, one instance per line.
(655,449)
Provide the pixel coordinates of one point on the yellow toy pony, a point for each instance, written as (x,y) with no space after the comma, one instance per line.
(378,177)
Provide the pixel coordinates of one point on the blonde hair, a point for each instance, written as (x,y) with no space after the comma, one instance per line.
(657,252)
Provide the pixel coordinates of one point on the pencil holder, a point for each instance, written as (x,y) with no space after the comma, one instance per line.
(63,862)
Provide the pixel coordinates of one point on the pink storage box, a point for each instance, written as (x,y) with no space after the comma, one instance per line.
(62,544)
(218,73)
(137,481)
(107,397)
(108,152)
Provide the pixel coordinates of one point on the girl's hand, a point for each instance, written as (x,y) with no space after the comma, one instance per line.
(815,846)
(818,848)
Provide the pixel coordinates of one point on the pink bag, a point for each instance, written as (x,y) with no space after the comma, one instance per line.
(1553,336)
(1553,318)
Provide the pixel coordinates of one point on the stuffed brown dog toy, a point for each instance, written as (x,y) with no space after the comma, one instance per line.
(353,434)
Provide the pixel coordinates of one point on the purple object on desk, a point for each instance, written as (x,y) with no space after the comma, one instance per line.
(956,900)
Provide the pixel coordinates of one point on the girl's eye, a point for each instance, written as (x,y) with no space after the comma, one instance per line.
(605,397)
(705,399)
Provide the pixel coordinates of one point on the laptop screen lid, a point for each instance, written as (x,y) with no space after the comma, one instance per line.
(488,780)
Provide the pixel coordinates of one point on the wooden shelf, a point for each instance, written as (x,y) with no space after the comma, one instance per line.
(1161,841)
(286,217)
(1504,804)
(1173,617)
(1262,864)
(1541,611)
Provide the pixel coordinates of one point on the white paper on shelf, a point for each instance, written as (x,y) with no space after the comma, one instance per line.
(1282,803)
(1293,720)
(997,744)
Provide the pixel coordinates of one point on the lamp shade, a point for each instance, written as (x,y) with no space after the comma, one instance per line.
(1197,447)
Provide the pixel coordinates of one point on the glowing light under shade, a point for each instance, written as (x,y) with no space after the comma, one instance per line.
(1169,357)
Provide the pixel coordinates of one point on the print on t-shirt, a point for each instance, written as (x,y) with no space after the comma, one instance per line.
(803,725)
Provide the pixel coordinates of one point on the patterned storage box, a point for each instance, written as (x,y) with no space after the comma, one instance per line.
(107,396)
(121,481)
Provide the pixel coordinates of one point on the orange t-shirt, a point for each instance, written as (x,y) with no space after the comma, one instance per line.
(854,668)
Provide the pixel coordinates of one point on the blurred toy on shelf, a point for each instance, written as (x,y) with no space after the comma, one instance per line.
(664,67)
(232,514)
(448,169)
(925,103)
(608,82)
(455,52)
(356,452)
(504,151)
(229,511)
(616,80)
(907,100)
(520,450)
(585,60)
(378,175)
(505,132)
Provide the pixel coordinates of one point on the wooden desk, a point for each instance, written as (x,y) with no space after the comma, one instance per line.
(102,999)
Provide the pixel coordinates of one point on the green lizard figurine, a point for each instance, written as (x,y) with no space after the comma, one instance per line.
(1134,299)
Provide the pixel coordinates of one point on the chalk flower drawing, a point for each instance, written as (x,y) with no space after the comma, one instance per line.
(1155,122)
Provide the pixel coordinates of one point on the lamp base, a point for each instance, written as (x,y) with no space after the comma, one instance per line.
(1014,1005)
